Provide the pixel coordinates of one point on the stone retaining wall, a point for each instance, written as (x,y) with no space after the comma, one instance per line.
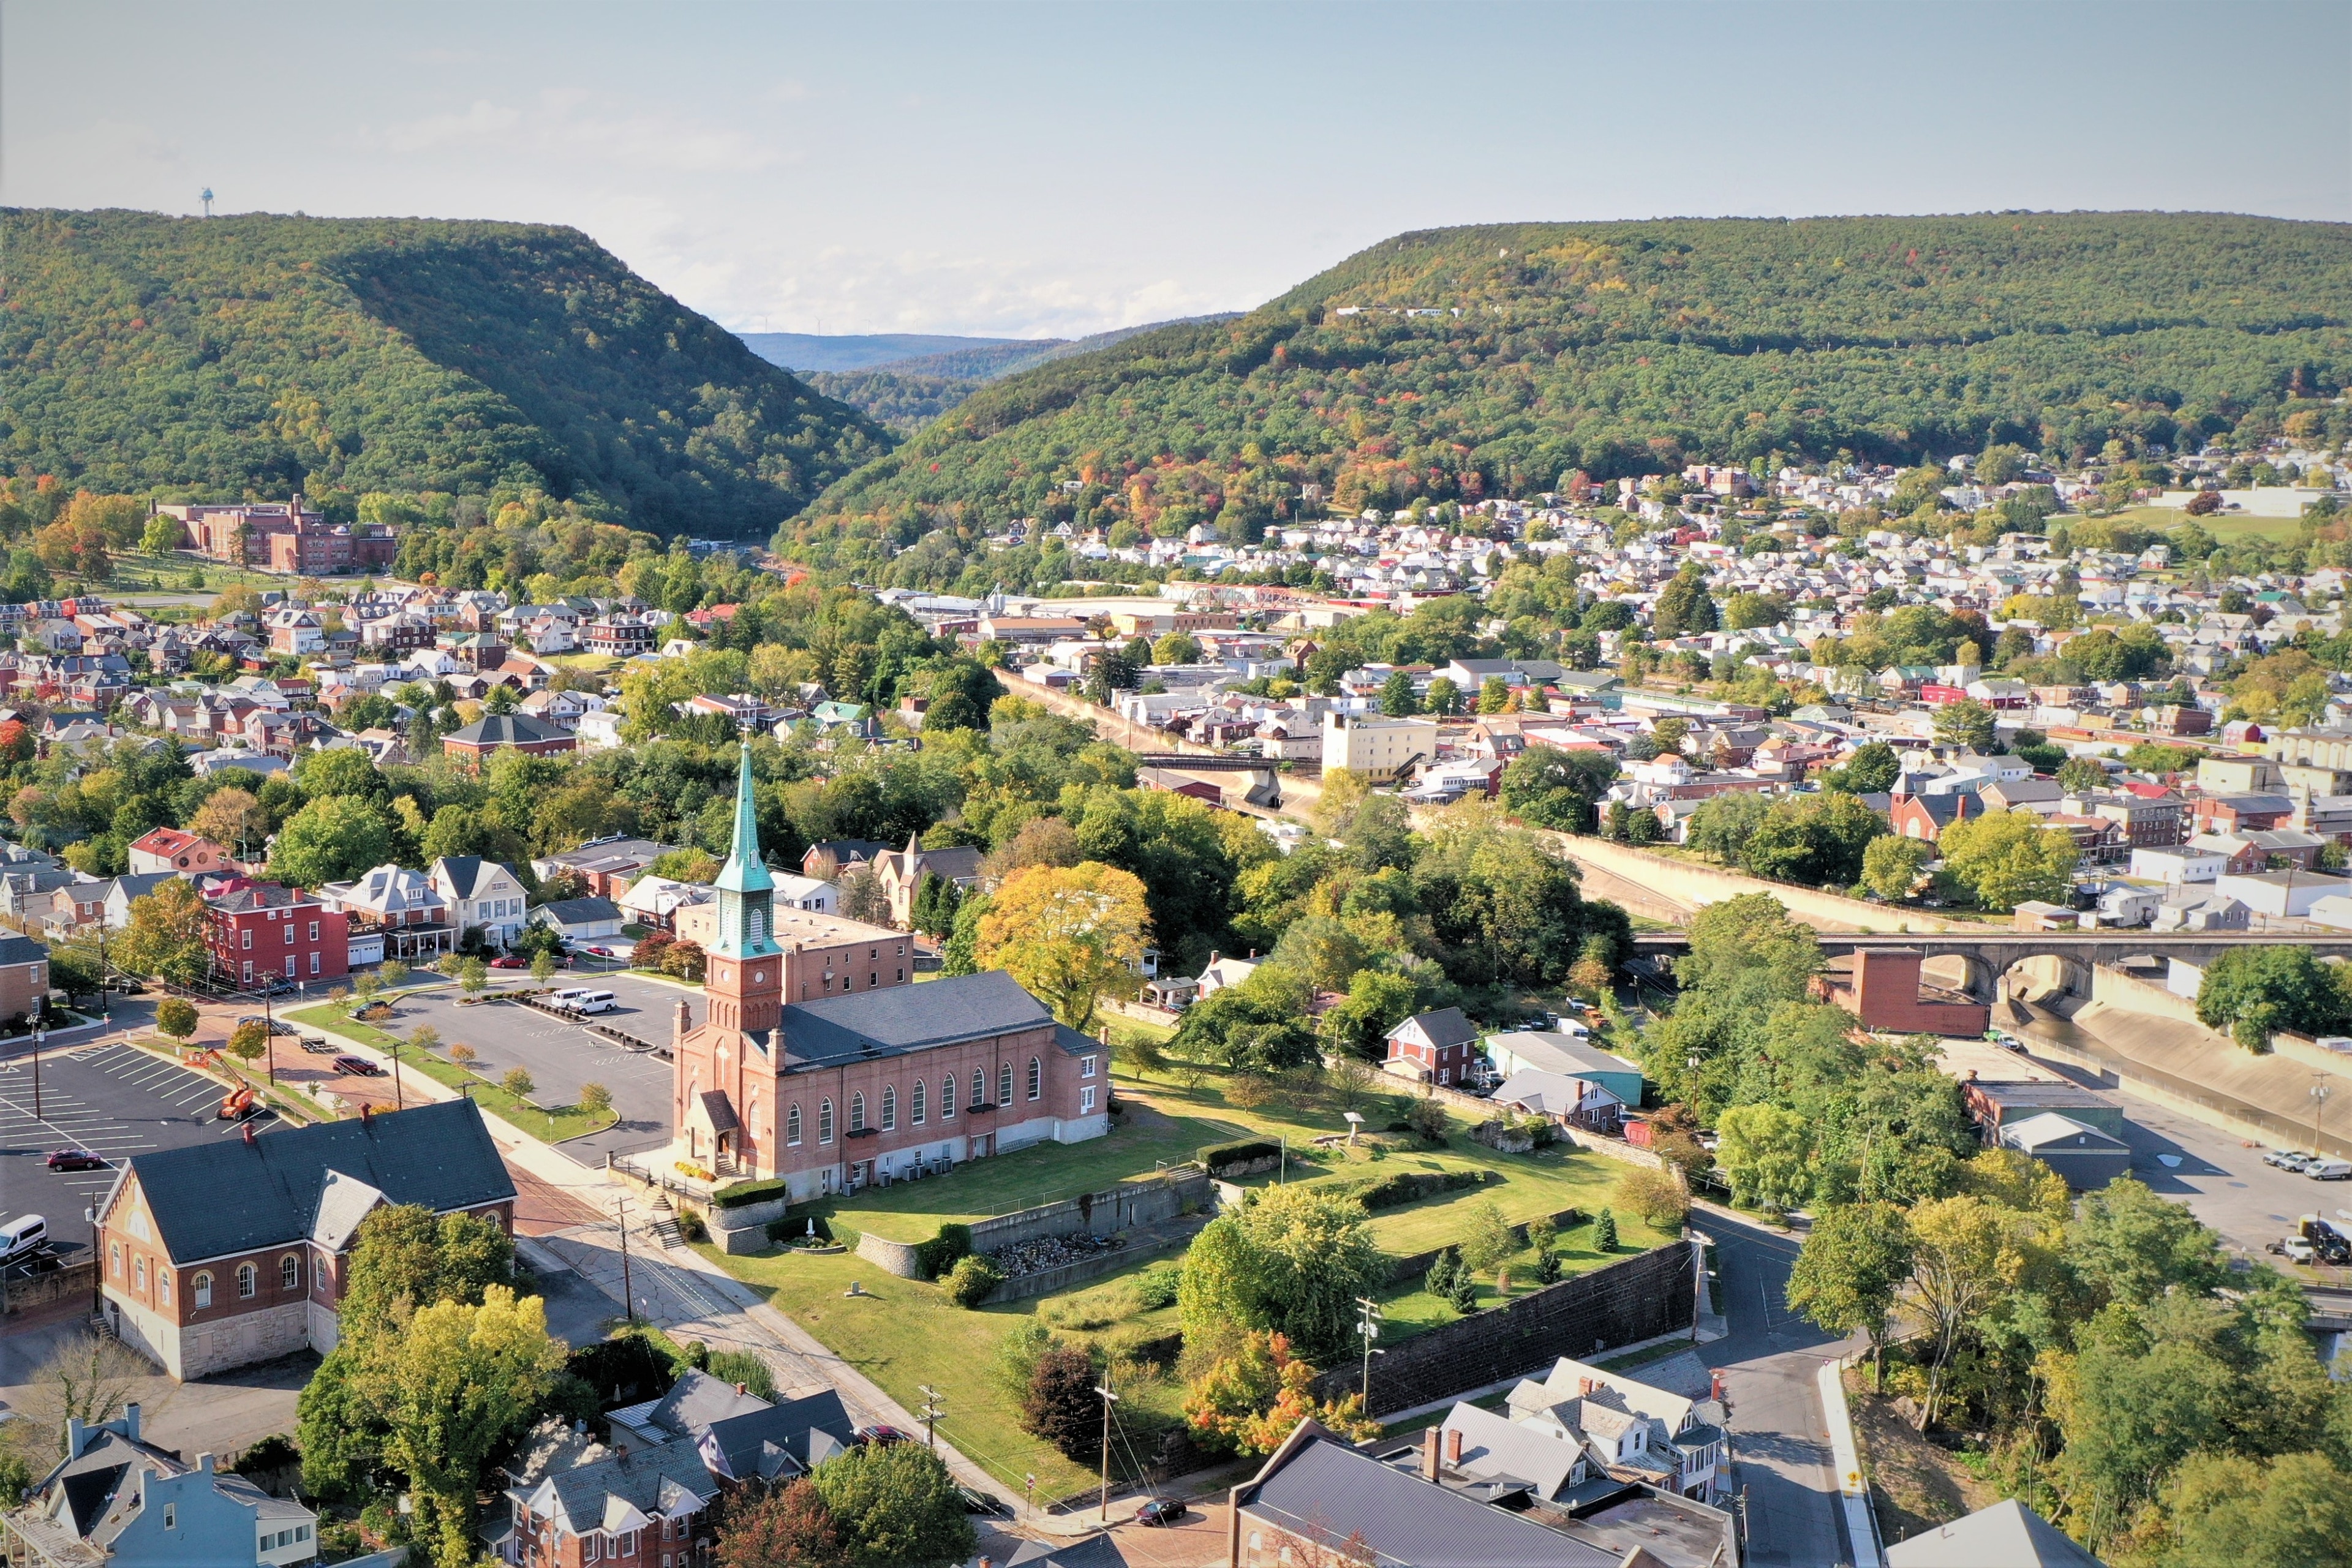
(744,1230)
(898,1257)
(1177,1234)
(74,1281)
(1621,1304)
(1150,1201)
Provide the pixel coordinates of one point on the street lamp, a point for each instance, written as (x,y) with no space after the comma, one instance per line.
(38,1033)
(2319,1093)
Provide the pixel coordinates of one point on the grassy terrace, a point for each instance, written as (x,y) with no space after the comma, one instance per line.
(904,1333)
(552,1126)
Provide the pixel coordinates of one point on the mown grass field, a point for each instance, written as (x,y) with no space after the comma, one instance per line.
(904,1333)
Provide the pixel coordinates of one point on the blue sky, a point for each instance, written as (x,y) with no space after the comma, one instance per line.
(1019,169)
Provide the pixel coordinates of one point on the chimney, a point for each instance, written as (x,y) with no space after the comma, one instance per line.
(738,1388)
(367,1112)
(1429,1440)
(248,1132)
(203,1464)
(1212,958)
(681,1022)
(1453,1445)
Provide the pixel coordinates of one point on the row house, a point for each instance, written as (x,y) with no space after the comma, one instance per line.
(263,932)
(202,1284)
(623,635)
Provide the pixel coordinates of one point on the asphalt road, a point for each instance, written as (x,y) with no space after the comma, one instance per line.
(111,1099)
(562,1057)
(1771,1359)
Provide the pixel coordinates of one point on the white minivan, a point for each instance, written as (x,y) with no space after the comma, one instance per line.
(591,1001)
(21,1237)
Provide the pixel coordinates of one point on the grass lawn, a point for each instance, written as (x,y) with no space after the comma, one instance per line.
(2163,519)
(549,1126)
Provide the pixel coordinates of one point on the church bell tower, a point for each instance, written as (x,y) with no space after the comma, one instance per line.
(744,974)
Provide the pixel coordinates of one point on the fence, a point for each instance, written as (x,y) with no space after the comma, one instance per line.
(1621,1304)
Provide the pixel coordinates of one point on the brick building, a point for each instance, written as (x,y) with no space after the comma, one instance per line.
(284,536)
(1436,1047)
(169,849)
(24,977)
(833,954)
(862,1084)
(228,1252)
(476,744)
(1882,987)
(263,932)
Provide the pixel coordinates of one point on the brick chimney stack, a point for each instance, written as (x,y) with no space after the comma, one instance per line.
(1429,1451)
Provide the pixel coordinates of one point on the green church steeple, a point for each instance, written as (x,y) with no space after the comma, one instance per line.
(746,890)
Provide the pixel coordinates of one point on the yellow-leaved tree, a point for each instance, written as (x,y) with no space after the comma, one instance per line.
(1068,933)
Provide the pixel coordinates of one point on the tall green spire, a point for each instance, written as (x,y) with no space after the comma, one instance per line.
(745,872)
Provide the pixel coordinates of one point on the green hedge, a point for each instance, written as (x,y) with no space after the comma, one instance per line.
(1241,1151)
(1407,1187)
(945,1250)
(740,1193)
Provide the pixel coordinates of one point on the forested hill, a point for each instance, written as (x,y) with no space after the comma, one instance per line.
(1463,362)
(139,351)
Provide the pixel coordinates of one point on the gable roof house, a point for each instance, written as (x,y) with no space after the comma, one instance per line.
(1433,1047)
(228,1252)
(482,895)
(574,1502)
(117,1499)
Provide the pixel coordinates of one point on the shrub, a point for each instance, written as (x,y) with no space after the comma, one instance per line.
(739,1194)
(1157,1286)
(1486,1238)
(1548,1268)
(1426,1120)
(1542,1233)
(1462,1295)
(691,1225)
(1604,1232)
(1219,1158)
(743,1367)
(1412,1187)
(1439,1281)
(971,1282)
(944,1251)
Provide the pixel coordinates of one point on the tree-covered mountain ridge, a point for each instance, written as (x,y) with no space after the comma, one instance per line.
(266,353)
(1463,362)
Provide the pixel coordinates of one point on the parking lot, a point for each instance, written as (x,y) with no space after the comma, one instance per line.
(110,1098)
(561,1056)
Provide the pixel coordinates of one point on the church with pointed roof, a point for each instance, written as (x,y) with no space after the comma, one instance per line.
(796,1072)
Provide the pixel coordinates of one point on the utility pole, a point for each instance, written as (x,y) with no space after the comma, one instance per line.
(1367,1324)
(934,1407)
(37,1032)
(628,1295)
(1109,1399)
(1032,1478)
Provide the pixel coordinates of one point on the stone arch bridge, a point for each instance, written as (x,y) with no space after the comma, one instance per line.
(1993,954)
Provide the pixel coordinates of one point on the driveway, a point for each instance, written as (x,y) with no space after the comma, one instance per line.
(1771,1361)
(562,1057)
(110,1098)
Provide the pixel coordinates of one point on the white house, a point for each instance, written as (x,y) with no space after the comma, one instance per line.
(2178,866)
(812,893)
(482,895)
(1620,1425)
(2282,894)
(580,920)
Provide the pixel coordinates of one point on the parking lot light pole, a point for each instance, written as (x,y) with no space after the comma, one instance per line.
(38,1033)
(2319,1093)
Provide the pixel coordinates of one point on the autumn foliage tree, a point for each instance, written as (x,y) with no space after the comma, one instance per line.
(1249,1401)
(1069,934)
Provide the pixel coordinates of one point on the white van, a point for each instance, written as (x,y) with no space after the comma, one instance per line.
(21,1237)
(568,995)
(591,1001)
(2329,1170)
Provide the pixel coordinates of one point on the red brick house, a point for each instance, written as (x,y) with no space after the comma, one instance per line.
(24,976)
(476,744)
(263,932)
(231,1251)
(1434,1046)
(1924,816)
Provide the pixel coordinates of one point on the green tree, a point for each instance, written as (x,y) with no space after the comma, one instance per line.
(2228,1511)
(1763,1150)
(1176,648)
(464,1380)
(1294,1263)
(1555,788)
(2254,992)
(2079,774)
(1966,724)
(594,1098)
(472,975)
(249,1040)
(1604,1231)
(1486,1238)
(1443,698)
(518,1082)
(1853,1266)
(1819,840)
(2006,857)
(897,1507)
(168,936)
(1891,866)
(176,1018)
(1493,694)
(335,839)
(1871,769)
(1684,605)
(1398,698)
(543,967)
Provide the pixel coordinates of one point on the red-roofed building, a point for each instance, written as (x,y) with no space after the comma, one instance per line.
(168,849)
(264,932)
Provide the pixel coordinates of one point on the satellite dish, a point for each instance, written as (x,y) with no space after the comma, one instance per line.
(207,199)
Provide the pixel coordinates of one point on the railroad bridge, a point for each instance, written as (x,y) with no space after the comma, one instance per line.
(1992,954)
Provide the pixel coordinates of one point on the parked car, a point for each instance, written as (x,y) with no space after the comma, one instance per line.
(76,1159)
(2294,1248)
(357,1067)
(979,1502)
(509,961)
(1160,1511)
(882,1437)
(2290,1159)
(2329,1170)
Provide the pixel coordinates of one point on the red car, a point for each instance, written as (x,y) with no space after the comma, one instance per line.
(76,1159)
(882,1437)
(508,961)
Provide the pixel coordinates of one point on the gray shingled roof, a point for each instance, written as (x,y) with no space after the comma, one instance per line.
(227,1195)
(902,1018)
(506,730)
(1324,1488)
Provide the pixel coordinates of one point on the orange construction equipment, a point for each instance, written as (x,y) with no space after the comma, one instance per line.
(236,1102)
(208,1057)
